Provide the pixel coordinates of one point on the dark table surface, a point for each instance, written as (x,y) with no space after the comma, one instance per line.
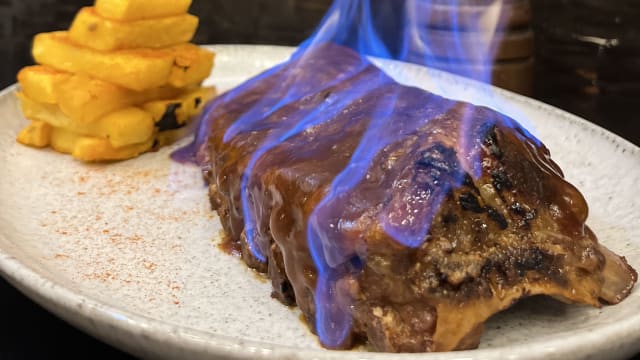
(27,331)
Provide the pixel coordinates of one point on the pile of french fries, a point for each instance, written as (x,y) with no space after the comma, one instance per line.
(123,80)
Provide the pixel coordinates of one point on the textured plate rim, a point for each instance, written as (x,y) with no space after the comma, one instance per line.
(82,311)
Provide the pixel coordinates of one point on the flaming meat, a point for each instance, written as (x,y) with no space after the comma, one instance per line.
(392,216)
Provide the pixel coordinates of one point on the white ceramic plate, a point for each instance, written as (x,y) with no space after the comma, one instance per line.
(128,251)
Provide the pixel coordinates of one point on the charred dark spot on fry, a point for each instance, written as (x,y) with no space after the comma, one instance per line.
(184,68)
(169,120)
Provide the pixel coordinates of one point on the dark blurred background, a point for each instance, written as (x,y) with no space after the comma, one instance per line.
(587,61)
(587,52)
(281,22)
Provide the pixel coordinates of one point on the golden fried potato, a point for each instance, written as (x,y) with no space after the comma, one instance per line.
(91,30)
(81,97)
(123,78)
(41,82)
(138,69)
(140,9)
(126,126)
(49,113)
(63,140)
(86,99)
(36,134)
(192,64)
(92,149)
(174,113)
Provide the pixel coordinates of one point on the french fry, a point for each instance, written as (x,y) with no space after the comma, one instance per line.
(140,9)
(175,113)
(91,30)
(41,82)
(122,81)
(123,127)
(191,66)
(83,98)
(36,134)
(49,113)
(138,69)
(86,99)
(63,140)
(90,149)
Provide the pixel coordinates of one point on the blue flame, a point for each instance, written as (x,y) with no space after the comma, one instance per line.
(333,320)
(390,29)
(351,23)
(284,129)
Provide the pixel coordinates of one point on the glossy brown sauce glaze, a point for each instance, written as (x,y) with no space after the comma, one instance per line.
(457,214)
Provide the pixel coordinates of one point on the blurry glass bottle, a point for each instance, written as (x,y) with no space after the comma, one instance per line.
(489,40)
(588,60)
